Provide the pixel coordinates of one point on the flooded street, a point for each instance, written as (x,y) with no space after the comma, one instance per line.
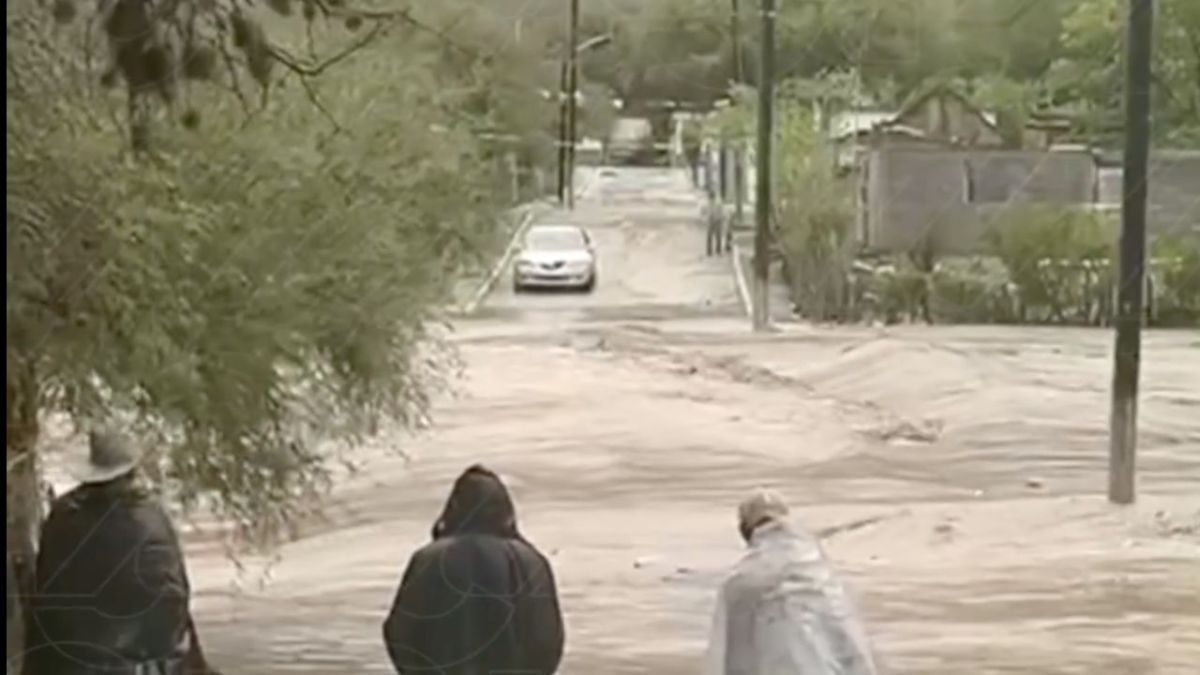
(631,421)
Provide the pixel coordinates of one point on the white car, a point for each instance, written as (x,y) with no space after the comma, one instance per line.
(555,256)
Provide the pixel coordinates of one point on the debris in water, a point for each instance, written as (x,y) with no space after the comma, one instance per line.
(644,561)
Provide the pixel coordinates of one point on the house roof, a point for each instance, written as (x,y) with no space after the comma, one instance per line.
(945,90)
(894,129)
(856,122)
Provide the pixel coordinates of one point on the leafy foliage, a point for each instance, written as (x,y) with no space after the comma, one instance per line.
(1017,56)
(815,217)
(1176,272)
(251,291)
(1060,260)
(157,48)
(1088,75)
(669,50)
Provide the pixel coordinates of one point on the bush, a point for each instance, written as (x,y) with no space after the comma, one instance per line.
(815,220)
(891,290)
(1176,274)
(973,291)
(1059,259)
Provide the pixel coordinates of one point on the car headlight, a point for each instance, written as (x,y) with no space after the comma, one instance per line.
(524,265)
(580,266)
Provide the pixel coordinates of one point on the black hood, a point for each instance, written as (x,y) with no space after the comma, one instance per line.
(478,504)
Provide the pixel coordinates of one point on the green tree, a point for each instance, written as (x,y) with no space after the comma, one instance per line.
(1089,77)
(671,50)
(243,293)
(814,214)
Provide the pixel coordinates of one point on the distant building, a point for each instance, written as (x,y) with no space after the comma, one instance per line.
(949,196)
(937,117)
(1174,184)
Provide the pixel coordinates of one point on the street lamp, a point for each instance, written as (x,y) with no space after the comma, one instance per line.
(569,86)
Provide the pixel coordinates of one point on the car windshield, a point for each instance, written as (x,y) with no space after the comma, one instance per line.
(555,239)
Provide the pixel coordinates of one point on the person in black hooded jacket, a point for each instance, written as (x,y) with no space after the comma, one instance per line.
(479,599)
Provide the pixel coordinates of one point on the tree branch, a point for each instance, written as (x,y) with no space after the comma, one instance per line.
(371,14)
(294,64)
(315,99)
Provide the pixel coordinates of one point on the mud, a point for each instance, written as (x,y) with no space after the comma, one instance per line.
(976,457)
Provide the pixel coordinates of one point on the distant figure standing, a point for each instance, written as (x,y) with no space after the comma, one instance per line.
(111,592)
(714,216)
(692,141)
(713,210)
(478,599)
(782,611)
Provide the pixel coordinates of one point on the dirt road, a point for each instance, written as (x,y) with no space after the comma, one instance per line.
(630,422)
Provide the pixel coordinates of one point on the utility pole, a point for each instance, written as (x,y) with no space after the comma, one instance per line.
(735,36)
(572,103)
(1135,189)
(562,133)
(762,203)
(739,153)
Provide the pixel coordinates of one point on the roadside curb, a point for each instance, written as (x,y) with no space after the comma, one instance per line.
(739,275)
(489,282)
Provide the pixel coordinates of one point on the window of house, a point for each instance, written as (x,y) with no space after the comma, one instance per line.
(993,180)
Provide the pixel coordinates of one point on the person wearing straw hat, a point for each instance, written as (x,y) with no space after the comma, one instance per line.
(782,611)
(111,591)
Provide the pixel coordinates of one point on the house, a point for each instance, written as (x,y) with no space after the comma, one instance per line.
(945,197)
(1174,206)
(949,197)
(853,132)
(1045,130)
(940,117)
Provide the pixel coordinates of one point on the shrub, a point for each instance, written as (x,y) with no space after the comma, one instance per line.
(1176,273)
(1059,260)
(976,290)
(815,220)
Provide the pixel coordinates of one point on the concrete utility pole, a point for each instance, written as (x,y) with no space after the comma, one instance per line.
(572,103)
(567,95)
(762,205)
(739,154)
(562,133)
(735,36)
(1130,301)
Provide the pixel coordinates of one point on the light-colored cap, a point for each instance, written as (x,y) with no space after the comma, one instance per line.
(761,506)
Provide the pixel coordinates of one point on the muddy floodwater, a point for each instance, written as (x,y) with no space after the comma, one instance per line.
(631,421)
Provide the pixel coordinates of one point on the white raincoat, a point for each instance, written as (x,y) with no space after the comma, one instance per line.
(783,612)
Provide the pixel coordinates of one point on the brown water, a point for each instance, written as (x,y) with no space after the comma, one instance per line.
(629,423)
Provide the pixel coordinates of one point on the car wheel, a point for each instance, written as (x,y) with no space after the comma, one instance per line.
(517,287)
(590,285)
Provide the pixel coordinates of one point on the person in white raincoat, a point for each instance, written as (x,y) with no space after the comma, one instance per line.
(782,611)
